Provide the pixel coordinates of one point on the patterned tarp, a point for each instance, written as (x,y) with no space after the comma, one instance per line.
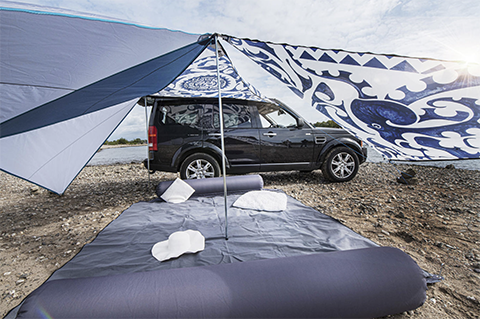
(200,80)
(407,108)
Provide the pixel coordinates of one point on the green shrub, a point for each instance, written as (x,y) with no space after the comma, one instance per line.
(124,141)
(328,123)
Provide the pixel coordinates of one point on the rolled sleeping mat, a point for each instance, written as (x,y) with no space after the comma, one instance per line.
(363,283)
(214,186)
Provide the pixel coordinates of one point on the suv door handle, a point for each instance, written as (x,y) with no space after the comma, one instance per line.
(215,134)
(270,134)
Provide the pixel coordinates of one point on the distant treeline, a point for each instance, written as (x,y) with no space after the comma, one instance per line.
(124,141)
(328,123)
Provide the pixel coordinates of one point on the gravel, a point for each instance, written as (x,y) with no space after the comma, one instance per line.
(436,221)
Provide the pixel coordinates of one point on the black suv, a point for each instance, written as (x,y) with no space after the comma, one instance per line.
(184,136)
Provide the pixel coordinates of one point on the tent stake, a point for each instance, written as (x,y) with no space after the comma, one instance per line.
(220,111)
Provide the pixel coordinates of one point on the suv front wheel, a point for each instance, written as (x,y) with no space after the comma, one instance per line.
(340,165)
(199,165)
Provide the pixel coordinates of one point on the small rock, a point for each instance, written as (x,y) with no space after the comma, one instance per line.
(477,270)
(433,300)
(409,173)
(400,215)
(471,298)
(20,281)
(470,255)
(385,232)
(34,189)
(407,181)
(406,236)
(450,166)
(7,273)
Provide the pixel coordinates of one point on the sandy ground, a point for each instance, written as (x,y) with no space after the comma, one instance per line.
(435,221)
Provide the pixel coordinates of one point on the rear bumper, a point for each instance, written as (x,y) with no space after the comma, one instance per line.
(156,167)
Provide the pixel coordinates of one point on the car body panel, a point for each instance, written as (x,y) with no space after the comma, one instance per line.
(258,136)
(287,147)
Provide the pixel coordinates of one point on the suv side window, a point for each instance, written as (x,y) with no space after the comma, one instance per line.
(184,115)
(234,116)
(274,116)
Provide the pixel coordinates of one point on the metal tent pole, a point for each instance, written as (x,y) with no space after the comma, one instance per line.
(220,111)
(148,138)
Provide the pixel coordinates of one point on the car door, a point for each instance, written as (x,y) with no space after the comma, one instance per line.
(241,137)
(177,124)
(284,144)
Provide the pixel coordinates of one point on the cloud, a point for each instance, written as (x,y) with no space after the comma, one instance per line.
(356,25)
(420,28)
(133,126)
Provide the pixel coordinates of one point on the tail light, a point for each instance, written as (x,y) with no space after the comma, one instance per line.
(152,138)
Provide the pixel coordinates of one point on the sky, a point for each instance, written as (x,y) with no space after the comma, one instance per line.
(441,29)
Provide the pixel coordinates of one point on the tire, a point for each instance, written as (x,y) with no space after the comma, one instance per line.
(340,165)
(199,165)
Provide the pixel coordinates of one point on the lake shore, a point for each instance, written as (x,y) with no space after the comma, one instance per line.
(106,147)
(436,221)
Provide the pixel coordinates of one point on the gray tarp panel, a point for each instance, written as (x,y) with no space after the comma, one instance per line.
(124,245)
(117,270)
(360,283)
(68,79)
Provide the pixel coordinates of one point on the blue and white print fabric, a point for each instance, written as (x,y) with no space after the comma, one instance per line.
(407,108)
(200,80)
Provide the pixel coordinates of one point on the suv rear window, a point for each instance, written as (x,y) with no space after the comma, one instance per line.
(185,114)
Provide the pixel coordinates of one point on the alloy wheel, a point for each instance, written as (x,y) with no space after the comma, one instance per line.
(200,168)
(343,165)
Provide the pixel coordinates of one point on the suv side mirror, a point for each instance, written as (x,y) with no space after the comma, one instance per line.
(300,122)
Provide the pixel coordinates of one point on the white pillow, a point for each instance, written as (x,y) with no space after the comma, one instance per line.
(178,192)
(262,200)
(179,243)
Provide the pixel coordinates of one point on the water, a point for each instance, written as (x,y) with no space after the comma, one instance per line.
(120,155)
(137,154)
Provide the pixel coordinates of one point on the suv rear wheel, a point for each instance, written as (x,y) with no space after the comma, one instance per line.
(340,165)
(199,165)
